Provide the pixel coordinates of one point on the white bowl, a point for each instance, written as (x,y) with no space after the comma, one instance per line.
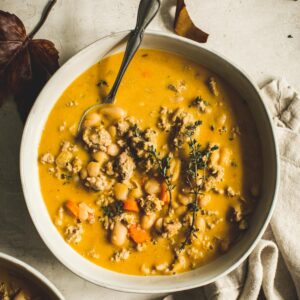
(28,273)
(30,176)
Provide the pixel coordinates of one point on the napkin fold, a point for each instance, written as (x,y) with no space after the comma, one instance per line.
(273,268)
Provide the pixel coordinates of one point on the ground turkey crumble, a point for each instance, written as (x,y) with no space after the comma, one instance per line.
(124,166)
(97,183)
(47,158)
(136,141)
(150,204)
(177,123)
(120,255)
(73,234)
(170,227)
(97,138)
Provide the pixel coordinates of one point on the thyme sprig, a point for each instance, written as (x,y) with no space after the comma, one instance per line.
(198,160)
(163,165)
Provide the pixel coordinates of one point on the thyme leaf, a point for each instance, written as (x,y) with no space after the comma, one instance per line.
(199,103)
(163,165)
(198,159)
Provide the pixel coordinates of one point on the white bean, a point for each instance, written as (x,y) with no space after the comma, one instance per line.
(83,173)
(112,112)
(175,205)
(92,119)
(159,224)
(121,191)
(152,186)
(175,169)
(183,199)
(181,210)
(113,150)
(200,223)
(148,221)
(84,211)
(100,157)
(112,131)
(119,234)
(93,168)
(63,159)
(136,193)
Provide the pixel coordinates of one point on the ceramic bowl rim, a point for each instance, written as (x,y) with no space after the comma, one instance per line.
(32,271)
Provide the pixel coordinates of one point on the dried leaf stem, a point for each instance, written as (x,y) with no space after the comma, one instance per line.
(43,18)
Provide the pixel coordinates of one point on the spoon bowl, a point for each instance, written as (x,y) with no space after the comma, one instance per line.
(146,13)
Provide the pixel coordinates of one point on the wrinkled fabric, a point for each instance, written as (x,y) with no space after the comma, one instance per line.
(273,268)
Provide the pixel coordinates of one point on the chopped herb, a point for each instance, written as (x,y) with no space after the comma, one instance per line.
(102,83)
(199,103)
(136,131)
(212,127)
(65,176)
(113,209)
(190,130)
(222,130)
(233,164)
(172,87)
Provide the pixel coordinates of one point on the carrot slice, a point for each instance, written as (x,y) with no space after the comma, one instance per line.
(72,208)
(164,194)
(138,234)
(131,205)
(146,74)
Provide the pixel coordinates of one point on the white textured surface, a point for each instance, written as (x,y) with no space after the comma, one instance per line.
(252,33)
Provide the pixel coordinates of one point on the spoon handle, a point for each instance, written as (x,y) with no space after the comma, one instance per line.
(147,11)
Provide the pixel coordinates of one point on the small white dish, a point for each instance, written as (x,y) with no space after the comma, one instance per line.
(28,273)
(30,176)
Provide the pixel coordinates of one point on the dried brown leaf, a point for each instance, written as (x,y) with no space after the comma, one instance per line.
(184,25)
(25,64)
(46,54)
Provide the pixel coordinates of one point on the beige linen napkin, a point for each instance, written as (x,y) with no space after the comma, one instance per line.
(273,268)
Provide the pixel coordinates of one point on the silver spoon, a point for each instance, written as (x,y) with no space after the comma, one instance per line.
(146,12)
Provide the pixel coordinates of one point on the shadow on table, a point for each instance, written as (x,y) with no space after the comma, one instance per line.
(19,236)
(167,13)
